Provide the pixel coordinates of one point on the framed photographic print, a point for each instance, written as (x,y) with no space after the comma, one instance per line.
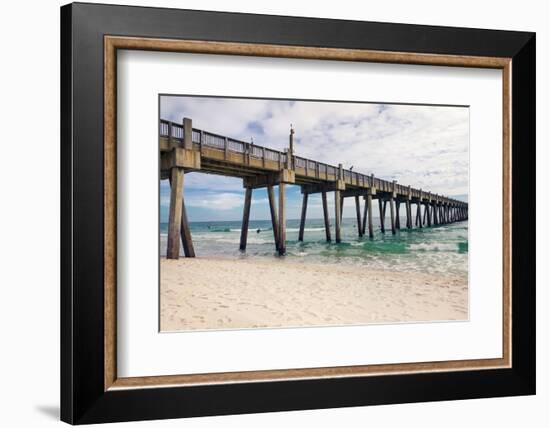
(265,213)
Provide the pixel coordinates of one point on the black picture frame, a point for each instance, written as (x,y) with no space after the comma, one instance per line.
(83,398)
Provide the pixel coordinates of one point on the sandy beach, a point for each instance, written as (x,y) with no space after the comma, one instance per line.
(207,293)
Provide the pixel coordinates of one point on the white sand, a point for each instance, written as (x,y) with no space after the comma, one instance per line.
(221,294)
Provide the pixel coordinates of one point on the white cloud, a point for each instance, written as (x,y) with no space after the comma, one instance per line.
(424,146)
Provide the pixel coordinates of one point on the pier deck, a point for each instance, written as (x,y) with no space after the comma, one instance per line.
(186,149)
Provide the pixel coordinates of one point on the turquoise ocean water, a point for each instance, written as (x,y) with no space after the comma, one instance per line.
(441,249)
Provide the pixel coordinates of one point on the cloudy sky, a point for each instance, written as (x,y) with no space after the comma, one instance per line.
(424,146)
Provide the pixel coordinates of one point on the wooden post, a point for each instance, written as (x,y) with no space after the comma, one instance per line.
(273,210)
(392,214)
(419,214)
(174,214)
(369,205)
(326,216)
(358,212)
(382,215)
(303,218)
(282,219)
(338,215)
(409,219)
(246,217)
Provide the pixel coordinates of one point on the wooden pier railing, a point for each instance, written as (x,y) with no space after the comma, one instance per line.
(186,149)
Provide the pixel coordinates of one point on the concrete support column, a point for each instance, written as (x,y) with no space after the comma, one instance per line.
(282,218)
(246,217)
(392,215)
(326,216)
(338,215)
(409,219)
(382,215)
(174,213)
(397,216)
(303,218)
(273,211)
(369,206)
(358,214)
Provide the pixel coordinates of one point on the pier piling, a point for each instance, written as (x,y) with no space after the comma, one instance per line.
(392,214)
(338,216)
(365,212)
(382,215)
(303,218)
(246,217)
(369,204)
(397,216)
(185,232)
(326,216)
(358,213)
(273,211)
(408,209)
(174,214)
(282,219)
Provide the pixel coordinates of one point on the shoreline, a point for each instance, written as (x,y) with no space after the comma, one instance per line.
(227,293)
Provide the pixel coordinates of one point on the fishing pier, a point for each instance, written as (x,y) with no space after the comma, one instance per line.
(186,149)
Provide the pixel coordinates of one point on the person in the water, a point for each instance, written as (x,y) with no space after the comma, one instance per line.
(259,230)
